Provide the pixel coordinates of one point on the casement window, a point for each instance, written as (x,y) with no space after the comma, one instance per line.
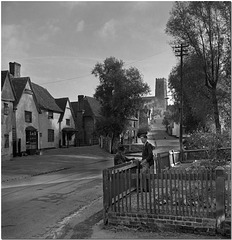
(68,122)
(6,109)
(50,115)
(50,135)
(6,138)
(28,116)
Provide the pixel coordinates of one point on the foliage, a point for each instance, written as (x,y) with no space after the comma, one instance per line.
(143,130)
(119,92)
(171,115)
(210,141)
(197,105)
(206,27)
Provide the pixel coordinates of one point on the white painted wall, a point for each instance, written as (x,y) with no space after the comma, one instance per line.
(26,103)
(44,125)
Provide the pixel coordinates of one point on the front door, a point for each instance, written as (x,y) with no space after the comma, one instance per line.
(31,141)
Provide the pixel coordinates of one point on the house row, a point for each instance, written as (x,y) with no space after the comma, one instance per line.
(32,120)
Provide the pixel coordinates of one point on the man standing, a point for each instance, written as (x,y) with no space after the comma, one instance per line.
(147,154)
(147,158)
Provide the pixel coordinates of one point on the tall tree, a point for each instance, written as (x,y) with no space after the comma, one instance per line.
(206,27)
(119,92)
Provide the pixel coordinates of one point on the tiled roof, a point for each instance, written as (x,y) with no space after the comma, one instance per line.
(19,86)
(61,102)
(95,106)
(75,108)
(3,77)
(45,99)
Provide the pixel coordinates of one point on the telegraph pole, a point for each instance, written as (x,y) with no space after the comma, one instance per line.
(180,52)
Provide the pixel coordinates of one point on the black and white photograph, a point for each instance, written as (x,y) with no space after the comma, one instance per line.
(115,119)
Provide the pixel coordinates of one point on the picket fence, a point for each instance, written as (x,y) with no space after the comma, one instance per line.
(172,192)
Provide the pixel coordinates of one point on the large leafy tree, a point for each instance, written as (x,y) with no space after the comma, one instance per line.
(197,104)
(119,92)
(206,27)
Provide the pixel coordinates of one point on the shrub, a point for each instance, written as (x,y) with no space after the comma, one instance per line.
(211,142)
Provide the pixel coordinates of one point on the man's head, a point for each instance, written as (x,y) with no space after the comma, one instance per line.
(121,148)
(143,138)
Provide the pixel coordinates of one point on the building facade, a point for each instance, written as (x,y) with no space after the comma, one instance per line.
(67,125)
(7,117)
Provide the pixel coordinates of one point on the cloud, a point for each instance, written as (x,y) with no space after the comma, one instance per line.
(14,41)
(49,29)
(80,26)
(108,30)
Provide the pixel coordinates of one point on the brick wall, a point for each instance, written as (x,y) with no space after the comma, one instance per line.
(171,222)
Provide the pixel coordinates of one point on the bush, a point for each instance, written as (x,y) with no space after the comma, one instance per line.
(211,142)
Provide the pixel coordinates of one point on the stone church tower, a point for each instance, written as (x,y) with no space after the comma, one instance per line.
(161,92)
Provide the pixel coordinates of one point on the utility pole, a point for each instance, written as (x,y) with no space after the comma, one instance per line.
(180,52)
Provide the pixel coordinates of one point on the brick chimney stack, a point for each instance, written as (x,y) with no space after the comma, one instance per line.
(81,102)
(15,69)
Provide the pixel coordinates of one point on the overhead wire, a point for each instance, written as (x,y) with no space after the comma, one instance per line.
(87,75)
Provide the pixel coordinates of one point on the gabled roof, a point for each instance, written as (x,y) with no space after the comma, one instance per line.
(45,99)
(3,78)
(94,107)
(75,108)
(62,102)
(19,86)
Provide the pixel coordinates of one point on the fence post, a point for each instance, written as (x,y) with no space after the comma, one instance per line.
(105,196)
(220,197)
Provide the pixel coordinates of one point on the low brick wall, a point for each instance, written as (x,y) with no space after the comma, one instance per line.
(170,222)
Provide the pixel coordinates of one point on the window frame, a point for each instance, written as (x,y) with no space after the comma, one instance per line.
(28,116)
(50,115)
(51,135)
(6,109)
(68,122)
(6,141)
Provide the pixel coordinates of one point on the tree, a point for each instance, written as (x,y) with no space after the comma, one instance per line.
(119,92)
(206,27)
(197,104)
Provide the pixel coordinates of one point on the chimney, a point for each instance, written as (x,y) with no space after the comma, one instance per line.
(15,69)
(80,102)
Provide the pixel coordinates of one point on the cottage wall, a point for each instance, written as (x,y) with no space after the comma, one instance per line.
(44,125)
(68,115)
(6,128)
(26,103)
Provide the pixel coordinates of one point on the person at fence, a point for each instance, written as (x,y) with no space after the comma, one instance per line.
(147,158)
(120,157)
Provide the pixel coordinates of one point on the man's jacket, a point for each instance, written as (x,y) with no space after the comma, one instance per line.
(148,153)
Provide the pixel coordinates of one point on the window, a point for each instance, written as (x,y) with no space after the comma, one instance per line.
(6,136)
(6,109)
(50,115)
(68,122)
(50,135)
(28,116)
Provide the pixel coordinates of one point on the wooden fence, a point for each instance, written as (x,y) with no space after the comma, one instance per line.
(172,192)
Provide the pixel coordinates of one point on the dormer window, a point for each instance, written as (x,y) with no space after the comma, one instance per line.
(6,109)
(50,115)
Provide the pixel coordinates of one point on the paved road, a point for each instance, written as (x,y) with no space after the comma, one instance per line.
(42,206)
(57,194)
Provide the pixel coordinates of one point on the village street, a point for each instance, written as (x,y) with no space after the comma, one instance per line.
(46,196)
(65,182)
(59,195)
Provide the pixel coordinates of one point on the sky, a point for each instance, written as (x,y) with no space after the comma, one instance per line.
(58,43)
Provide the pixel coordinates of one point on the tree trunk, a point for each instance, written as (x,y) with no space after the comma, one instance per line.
(216,111)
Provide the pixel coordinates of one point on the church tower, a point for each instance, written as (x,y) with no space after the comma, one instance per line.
(161,92)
